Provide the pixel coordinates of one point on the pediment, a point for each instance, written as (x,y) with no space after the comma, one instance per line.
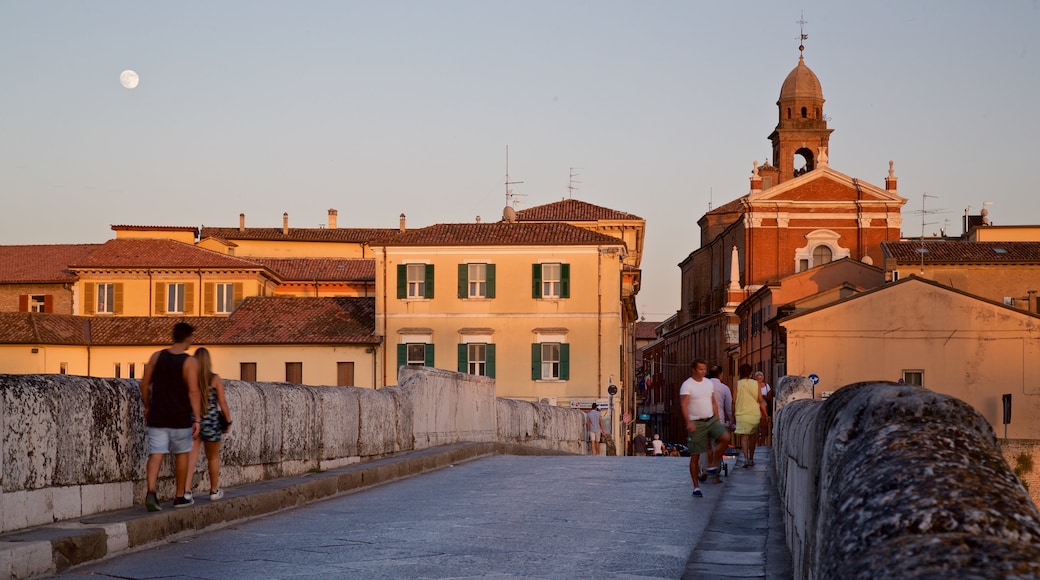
(825,184)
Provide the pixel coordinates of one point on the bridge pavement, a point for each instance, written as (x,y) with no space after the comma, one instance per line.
(498,515)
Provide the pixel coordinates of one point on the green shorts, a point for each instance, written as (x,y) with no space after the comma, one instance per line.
(700,440)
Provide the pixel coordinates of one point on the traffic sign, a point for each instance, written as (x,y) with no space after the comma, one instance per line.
(815,378)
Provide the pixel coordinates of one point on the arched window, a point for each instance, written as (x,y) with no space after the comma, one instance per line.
(821,255)
(804,112)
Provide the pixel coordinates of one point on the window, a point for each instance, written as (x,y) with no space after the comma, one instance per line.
(476,281)
(225,298)
(913,377)
(294,373)
(551,280)
(174,298)
(805,112)
(477,358)
(415,353)
(63,368)
(106,298)
(247,371)
(414,281)
(895,275)
(133,371)
(550,361)
(345,374)
(821,255)
(38,303)
(803,265)
(118,371)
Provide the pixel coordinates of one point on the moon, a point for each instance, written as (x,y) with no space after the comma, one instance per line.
(128,79)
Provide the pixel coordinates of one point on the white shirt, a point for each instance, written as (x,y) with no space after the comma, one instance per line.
(700,395)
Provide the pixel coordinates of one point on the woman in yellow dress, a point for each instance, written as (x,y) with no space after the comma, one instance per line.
(749,408)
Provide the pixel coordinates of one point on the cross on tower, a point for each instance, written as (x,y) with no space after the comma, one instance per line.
(802,36)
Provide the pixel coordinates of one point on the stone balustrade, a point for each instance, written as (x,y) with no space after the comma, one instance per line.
(895,481)
(75,446)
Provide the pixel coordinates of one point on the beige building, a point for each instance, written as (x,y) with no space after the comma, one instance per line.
(929,334)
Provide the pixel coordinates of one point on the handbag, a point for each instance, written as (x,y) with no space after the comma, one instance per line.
(222,421)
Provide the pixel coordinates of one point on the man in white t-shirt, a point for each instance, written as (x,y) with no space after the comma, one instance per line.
(697,399)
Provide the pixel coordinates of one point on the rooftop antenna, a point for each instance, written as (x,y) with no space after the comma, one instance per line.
(571,187)
(710,193)
(509,192)
(802,36)
(921,250)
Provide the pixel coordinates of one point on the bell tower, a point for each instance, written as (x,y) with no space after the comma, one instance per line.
(801,137)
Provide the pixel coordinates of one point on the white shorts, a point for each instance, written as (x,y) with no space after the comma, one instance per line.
(162,440)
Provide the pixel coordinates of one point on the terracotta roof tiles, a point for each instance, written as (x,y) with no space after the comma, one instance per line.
(351,235)
(957,251)
(123,227)
(42,263)
(571,210)
(321,269)
(501,234)
(35,328)
(157,253)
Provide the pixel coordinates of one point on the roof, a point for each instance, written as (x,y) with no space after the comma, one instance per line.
(191,229)
(645,330)
(502,234)
(258,320)
(801,83)
(42,264)
(940,251)
(157,253)
(348,235)
(321,269)
(571,210)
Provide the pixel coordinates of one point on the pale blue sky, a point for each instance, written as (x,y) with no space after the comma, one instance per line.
(380,108)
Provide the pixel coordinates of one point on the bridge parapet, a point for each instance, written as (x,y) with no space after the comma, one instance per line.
(74,446)
(883,480)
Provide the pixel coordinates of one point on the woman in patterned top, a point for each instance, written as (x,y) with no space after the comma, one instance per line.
(214,404)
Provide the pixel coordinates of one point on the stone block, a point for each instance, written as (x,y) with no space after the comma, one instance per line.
(15,509)
(26,559)
(378,426)
(92,499)
(39,506)
(339,416)
(66,502)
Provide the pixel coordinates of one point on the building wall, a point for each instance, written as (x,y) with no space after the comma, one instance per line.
(297,249)
(992,281)
(966,348)
(10,296)
(19,359)
(186,237)
(140,293)
(589,320)
(357,290)
(1005,234)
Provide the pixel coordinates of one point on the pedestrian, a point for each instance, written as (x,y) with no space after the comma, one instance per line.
(766,428)
(170,393)
(658,445)
(750,409)
(595,426)
(639,444)
(216,420)
(724,401)
(697,400)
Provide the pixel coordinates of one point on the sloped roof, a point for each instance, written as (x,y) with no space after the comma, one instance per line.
(157,253)
(801,83)
(942,251)
(123,227)
(350,235)
(321,269)
(645,330)
(258,320)
(41,264)
(36,328)
(501,234)
(571,210)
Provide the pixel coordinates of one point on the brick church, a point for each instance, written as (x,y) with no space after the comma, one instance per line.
(799,213)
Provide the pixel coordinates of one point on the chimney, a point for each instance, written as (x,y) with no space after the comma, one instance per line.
(285,223)
(756,179)
(241,222)
(332,219)
(890,181)
(402,223)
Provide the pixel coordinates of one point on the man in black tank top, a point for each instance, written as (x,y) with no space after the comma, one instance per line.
(172,409)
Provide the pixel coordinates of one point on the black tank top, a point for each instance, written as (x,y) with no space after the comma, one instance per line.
(170,406)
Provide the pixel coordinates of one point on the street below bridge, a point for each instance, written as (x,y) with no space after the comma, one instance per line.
(501,515)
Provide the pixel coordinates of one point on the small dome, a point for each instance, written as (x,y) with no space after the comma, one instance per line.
(801,83)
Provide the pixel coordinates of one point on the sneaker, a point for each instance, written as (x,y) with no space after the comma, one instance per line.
(187,495)
(215,495)
(151,501)
(183,502)
(703,476)
(697,492)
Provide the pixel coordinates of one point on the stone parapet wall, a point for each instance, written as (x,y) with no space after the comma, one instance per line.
(1024,459)
(75,446)
(884,481)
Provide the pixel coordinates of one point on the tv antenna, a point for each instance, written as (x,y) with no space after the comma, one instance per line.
(924,213)
(571,187)
(509,192)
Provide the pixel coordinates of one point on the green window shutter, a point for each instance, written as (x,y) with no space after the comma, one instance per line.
(429,355)
(565,280)
(490,280)
(402,280)
(429,281)
(463,281)
(463,358)
(402,355)
(536,360)
(536,279)
(565,362)
(490,358)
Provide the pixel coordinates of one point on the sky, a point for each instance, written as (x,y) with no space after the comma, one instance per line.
(382,108)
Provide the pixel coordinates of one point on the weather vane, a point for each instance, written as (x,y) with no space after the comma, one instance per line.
(802,36)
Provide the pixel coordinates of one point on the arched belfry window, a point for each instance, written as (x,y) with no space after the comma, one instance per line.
(805,112)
